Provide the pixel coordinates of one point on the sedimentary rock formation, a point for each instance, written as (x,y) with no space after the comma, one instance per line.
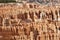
(29,21)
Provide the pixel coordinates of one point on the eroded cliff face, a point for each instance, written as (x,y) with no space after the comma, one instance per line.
(29,21)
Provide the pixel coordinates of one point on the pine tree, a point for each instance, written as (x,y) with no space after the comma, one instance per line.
(6,1)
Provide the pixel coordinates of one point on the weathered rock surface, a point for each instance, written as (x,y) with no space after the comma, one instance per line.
(29,22)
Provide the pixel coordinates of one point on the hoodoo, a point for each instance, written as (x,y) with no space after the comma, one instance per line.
(29,21)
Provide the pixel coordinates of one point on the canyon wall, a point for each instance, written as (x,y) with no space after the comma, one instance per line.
(29,21)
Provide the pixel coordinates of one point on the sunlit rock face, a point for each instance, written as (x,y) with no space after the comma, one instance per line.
(30,11)
(29,21)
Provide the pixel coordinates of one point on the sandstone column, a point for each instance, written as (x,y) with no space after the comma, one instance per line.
(31,35)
